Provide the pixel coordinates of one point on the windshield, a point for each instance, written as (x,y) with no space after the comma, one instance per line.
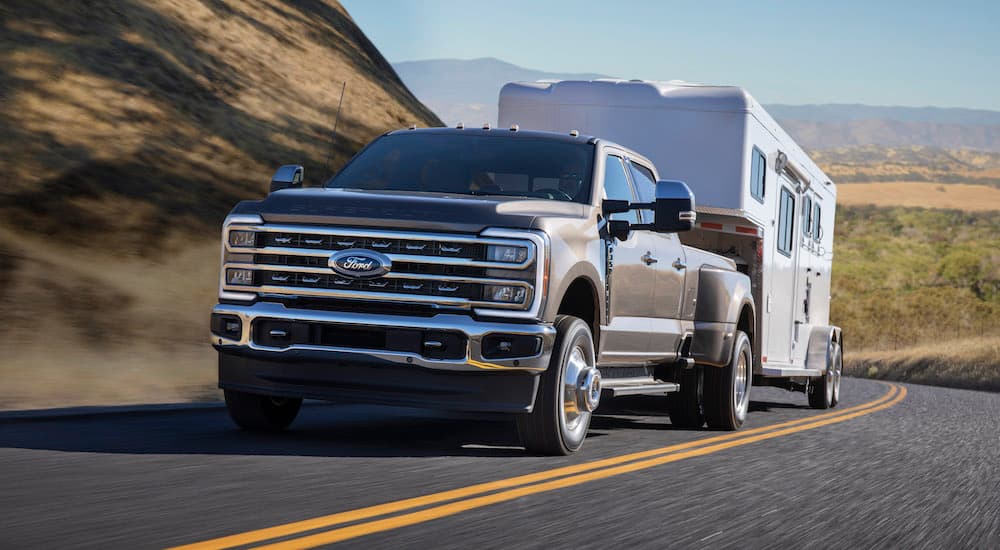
(472,165)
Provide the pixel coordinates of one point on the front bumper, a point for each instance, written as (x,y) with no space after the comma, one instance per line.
(463,381)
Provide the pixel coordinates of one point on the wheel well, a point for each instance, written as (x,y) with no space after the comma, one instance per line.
(580,300)
(745,323)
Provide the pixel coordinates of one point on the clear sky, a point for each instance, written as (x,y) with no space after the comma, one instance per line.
(878,52)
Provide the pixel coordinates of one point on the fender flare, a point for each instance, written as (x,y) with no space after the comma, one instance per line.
(819,353)
(722,295)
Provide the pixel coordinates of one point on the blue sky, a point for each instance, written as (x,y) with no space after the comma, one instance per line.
(944,54)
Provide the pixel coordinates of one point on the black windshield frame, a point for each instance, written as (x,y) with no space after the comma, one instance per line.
(469,164)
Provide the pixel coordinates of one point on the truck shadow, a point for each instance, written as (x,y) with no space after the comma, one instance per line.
(322,430)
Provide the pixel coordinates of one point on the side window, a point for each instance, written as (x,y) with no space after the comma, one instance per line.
(645,187)
(758,174)
(807,209)
(786,222)
(616,187)
(816,227)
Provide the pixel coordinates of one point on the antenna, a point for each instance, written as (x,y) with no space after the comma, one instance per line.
(333,135)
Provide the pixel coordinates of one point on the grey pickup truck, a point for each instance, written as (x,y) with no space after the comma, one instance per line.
(486,270)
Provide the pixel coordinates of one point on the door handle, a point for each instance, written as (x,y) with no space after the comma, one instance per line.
(679,265)
(649,259)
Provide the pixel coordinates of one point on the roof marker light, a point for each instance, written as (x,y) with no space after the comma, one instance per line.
(574,133)
(461,126)
(413,126)
(486,126)
(514,127)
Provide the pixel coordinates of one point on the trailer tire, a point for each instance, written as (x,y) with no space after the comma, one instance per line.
(824,391)
(727,389)
(263,413)
(556,426)
(685,405)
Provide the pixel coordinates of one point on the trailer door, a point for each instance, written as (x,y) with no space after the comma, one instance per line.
(803,279)
(779,307)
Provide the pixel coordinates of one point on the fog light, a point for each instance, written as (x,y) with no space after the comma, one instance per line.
(243,277)
(506,254)
(504,294)
(228,326)
(242,239)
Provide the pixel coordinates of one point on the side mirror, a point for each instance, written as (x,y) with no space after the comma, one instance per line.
(674,207)
(619,229)
(288,176)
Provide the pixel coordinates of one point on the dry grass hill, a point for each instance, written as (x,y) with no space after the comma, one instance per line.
(129,130)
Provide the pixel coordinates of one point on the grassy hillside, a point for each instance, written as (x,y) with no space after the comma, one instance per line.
(871,163)
(129,130)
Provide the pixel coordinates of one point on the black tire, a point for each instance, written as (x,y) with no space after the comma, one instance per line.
(256,412)
(724,408)
(544,430)
(685,406)
(824,391)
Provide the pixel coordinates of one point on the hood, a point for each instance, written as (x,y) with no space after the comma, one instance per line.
(405,210)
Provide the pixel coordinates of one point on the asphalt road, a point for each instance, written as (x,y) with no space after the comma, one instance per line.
(918,468)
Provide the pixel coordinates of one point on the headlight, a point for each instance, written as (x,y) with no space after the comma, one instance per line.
(505,294)
(243,277)
(506,254)
(242,239)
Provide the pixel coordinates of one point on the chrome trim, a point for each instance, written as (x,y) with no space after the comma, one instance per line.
(390,275)
(540,290)
(461,303)
(474,330)
(410,258)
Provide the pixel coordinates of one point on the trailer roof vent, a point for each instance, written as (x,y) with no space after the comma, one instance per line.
(574,133)
(486,126)
(514,127)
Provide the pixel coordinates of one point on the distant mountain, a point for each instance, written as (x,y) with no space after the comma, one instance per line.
(466,90)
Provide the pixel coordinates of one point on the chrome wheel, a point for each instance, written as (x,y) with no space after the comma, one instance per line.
(838,365)
(575,418)
(741,387)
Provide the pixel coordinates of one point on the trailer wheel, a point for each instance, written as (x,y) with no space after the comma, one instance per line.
(256,412)
(684,406)
(824,391)
(569,390)
(727,389)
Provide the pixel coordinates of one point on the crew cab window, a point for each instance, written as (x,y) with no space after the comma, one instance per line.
(616,187)
(758,174)
(645,187)
(786,222)
(468,164)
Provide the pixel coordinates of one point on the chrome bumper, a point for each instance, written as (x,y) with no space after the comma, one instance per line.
(474,330)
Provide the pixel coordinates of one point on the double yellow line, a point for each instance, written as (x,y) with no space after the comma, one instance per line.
(425,508)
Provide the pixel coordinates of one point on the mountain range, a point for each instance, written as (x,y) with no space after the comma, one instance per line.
(466,91)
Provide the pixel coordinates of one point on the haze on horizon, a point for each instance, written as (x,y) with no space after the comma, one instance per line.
(876,53)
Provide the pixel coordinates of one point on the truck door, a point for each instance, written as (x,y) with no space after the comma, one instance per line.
(780,301)
(668,292)
(630,276)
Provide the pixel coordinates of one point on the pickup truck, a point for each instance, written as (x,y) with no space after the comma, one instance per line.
(480,269)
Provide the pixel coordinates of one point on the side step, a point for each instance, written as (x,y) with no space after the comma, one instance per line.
(632,388)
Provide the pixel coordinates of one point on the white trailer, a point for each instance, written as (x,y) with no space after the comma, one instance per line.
(760,199)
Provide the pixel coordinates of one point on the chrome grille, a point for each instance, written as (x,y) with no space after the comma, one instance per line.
(439,269)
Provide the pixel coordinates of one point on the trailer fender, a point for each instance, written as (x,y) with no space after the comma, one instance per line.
(819,354)
(722,295)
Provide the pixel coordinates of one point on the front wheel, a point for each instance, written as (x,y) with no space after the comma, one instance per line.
(570,389)
(727,389)
(256,412)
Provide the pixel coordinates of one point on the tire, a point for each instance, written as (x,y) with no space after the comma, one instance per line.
(685,406)
(727,389)
(824,391)
(556,425)
(263,413)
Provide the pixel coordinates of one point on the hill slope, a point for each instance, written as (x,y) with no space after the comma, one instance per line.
(119,117)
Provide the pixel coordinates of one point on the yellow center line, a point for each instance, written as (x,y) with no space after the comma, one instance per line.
(260,535)
(395,522)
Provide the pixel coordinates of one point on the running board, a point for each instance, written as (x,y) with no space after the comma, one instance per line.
(651,388)
(787,371)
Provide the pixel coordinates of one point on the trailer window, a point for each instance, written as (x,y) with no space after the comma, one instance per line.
(786,222)
(616,187)
(758,174)
(816,226)
(807,216)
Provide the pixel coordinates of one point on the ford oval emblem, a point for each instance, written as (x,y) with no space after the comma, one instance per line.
(360,264)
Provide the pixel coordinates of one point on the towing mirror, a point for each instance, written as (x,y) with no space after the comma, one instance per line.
(674,207)
(619,229)
(288,176)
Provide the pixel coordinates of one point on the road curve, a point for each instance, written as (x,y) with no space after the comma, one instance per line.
(892,466)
